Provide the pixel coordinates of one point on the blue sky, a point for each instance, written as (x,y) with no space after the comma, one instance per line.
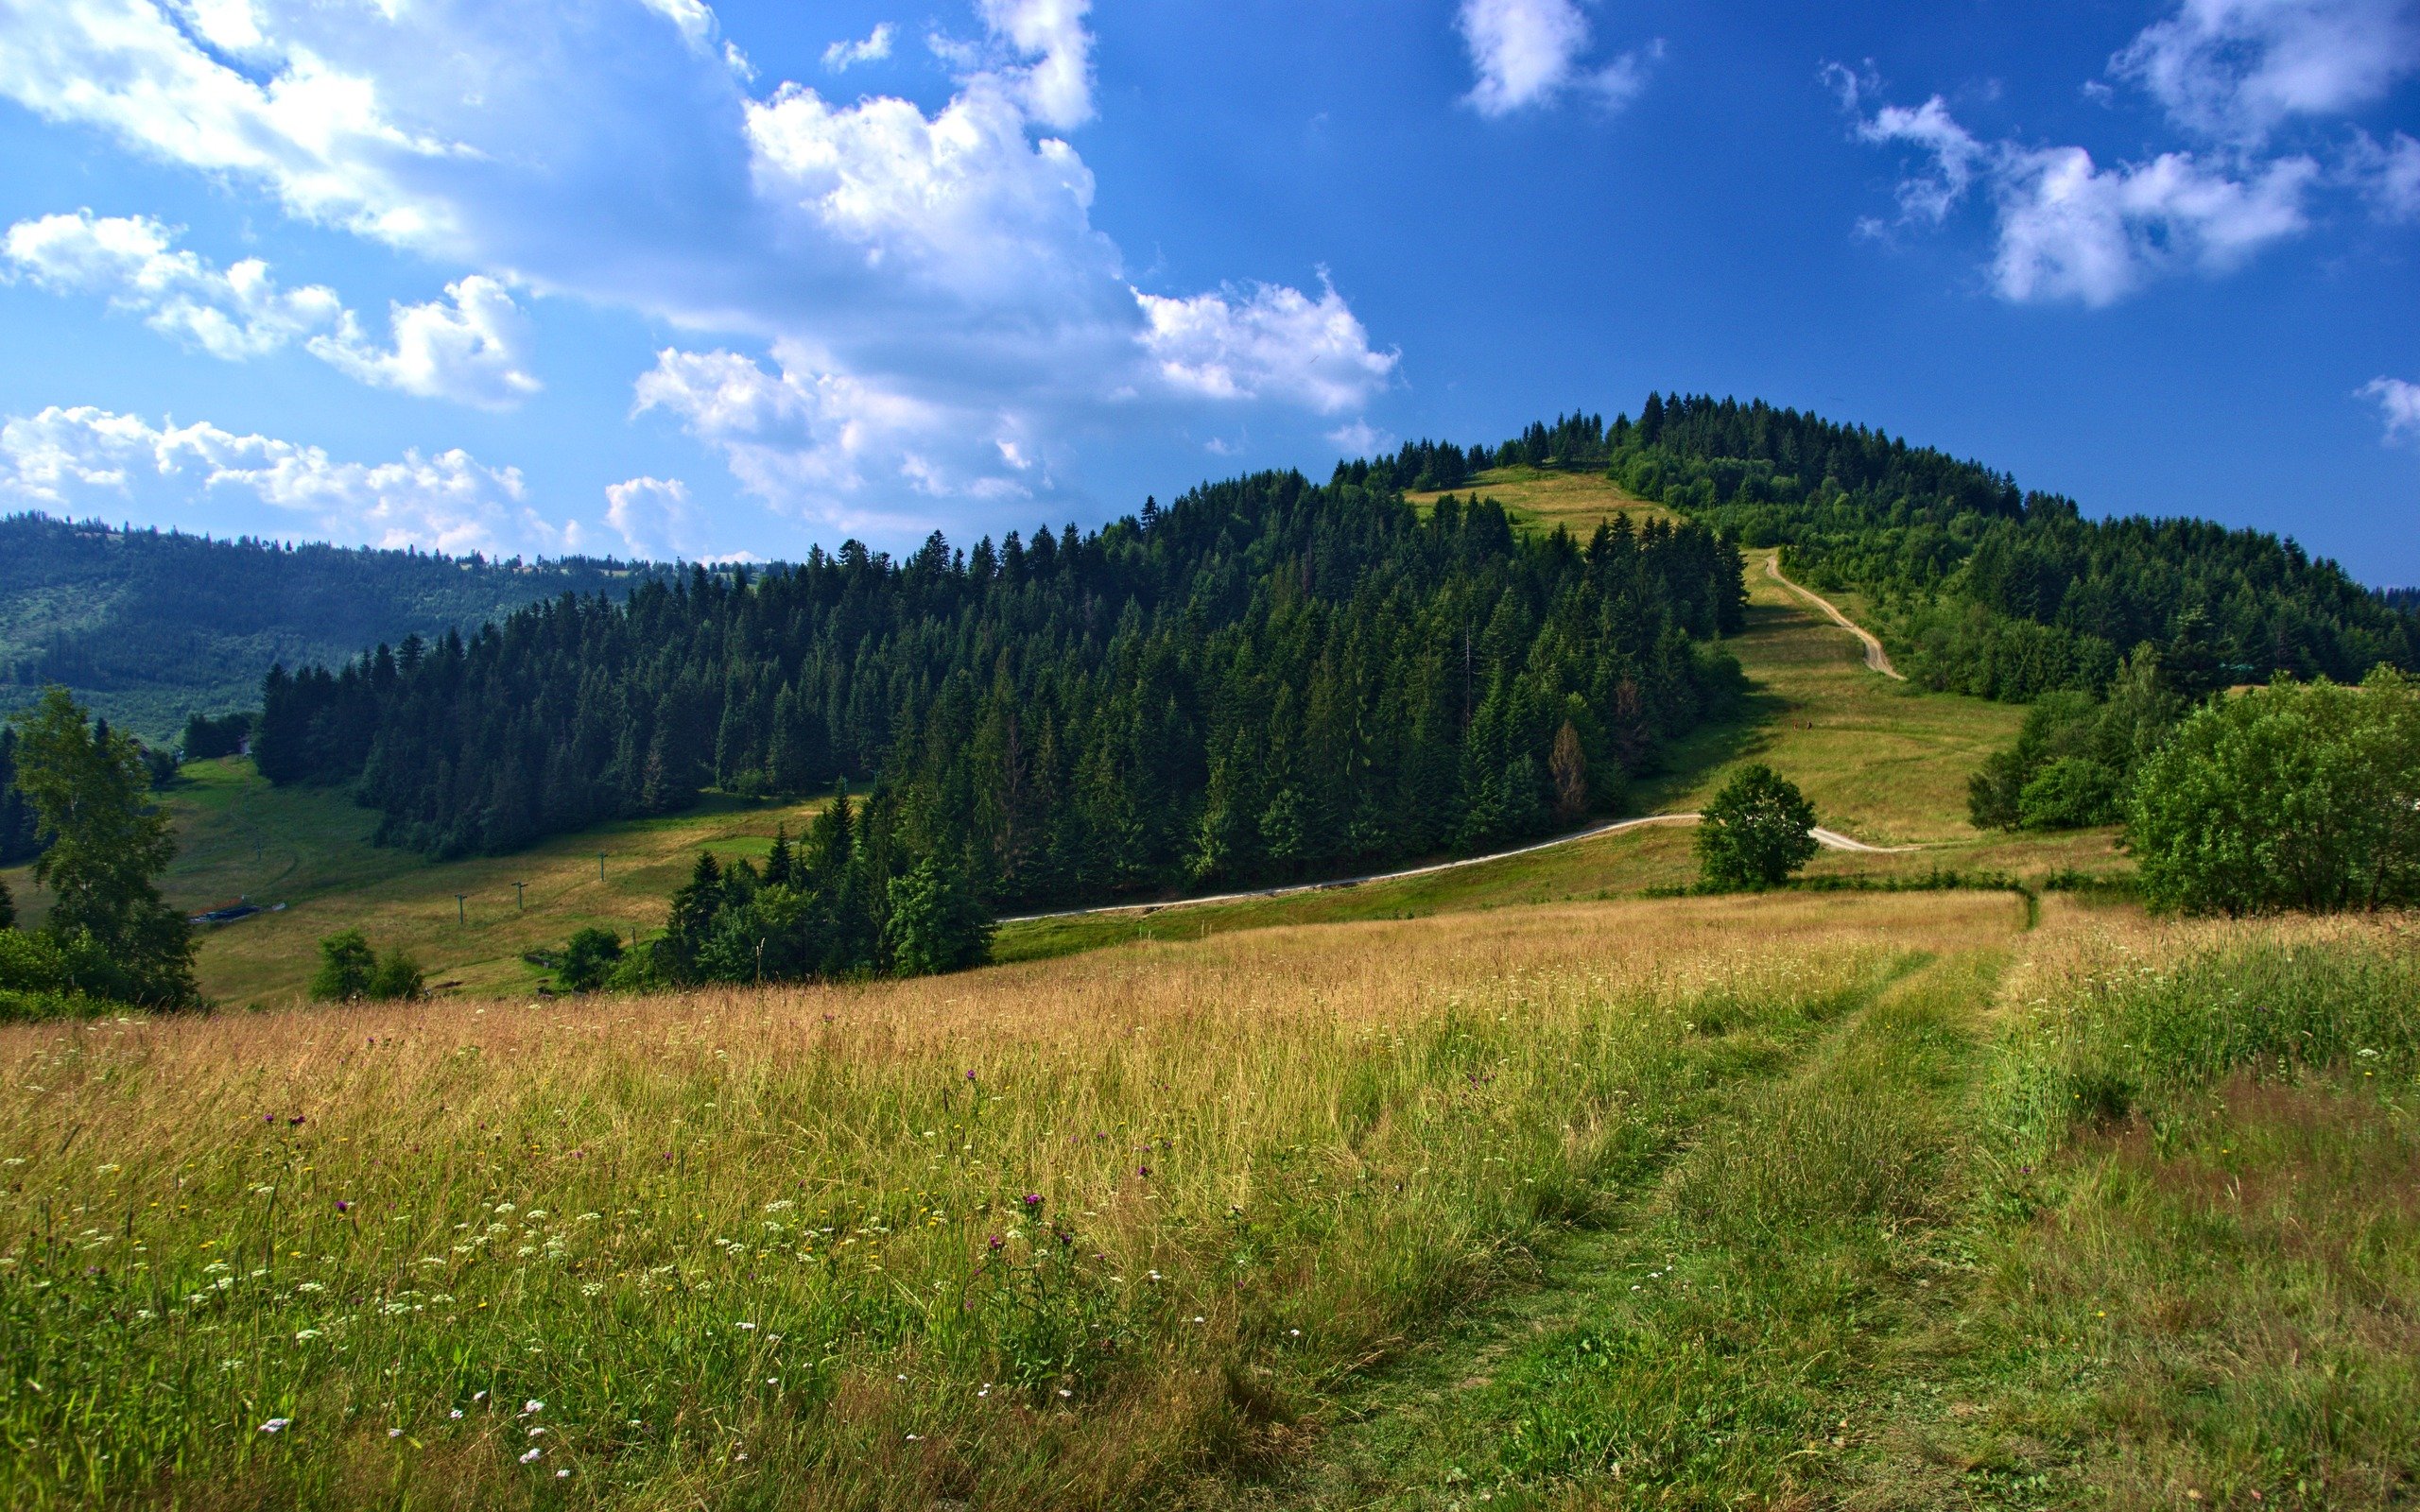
(648,277)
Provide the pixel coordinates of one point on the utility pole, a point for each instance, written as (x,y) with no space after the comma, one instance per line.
(600,865)
(517,905)
(461,915)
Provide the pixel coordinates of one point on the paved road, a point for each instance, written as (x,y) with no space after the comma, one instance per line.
(1830,840)
(1875,656)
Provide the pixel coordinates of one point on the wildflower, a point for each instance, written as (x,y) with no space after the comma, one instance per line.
(394,1433)
(455,1414)
(533,1404)
(562,1474)
(276,1425)
(532,1456)
(1064,1392)
(1033,1202)
(343,1205)
(996,1241)
(537,1433)
(478,1396)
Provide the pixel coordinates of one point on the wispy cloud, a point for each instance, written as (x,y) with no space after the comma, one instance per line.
(471,347)
(83,457)
(1527,53)
(842,56)
(2227,73)
(2398,405)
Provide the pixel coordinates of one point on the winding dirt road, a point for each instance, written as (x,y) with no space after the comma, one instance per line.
(1828,839)
(1875,657)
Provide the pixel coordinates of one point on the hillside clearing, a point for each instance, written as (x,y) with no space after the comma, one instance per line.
(308,848)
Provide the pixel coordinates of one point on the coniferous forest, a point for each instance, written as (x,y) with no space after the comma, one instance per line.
(1268,679)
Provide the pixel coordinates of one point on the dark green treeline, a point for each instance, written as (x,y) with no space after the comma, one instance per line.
(1267,679)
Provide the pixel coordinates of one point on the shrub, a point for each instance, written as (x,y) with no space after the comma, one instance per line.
(2285,797)
(396,978)
(1757,830)
(2068,793)
(346,966)
(589,960)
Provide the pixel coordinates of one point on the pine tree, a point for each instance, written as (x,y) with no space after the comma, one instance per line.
(106,842)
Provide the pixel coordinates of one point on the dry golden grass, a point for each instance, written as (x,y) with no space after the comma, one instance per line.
(1579,502)
(1250,1160)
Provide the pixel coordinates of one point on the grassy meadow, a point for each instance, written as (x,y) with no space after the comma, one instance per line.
(309,848)
(1036,1234)
(1816,1199)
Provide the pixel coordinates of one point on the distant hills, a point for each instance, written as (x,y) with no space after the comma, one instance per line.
(147,627)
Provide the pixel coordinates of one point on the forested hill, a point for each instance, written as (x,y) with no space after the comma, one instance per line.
(1268,678)
(1980,586)
(147,627)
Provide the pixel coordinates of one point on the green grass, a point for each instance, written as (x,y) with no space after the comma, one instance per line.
(2127,1216)
(1034,1237)
(309,848)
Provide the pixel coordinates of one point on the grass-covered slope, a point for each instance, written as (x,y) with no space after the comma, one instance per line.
(309,847)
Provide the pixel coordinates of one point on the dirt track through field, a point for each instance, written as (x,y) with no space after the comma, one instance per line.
(1828,839)
(1875,656)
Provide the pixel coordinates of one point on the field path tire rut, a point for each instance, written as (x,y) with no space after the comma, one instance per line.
(1399,1436)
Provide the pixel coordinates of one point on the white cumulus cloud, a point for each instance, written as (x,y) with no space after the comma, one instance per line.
(82,457)
(2072,231)
(1954,152)
(1269,341)
(656,518)
(923,284)
(2388,175)
(2069,229)
(2398,403)
(811,441)
(1053,76)
(2236,70)
(471,347)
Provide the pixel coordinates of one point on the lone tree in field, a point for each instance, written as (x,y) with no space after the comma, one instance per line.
(91,793)
(1757,830)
